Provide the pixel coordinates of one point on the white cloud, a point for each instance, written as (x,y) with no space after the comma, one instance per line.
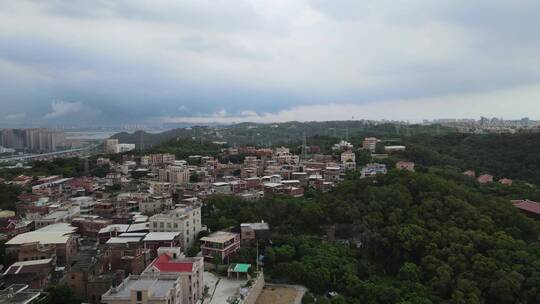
(16,116)
(63,108)
(515,103)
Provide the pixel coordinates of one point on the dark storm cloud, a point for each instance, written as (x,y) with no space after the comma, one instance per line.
(137,61)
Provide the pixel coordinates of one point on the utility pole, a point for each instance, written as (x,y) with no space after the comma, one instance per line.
(257,259)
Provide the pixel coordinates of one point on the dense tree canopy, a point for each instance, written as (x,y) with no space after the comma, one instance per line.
(406,238)
(504,155)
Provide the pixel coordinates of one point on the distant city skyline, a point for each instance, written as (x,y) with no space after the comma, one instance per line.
(98,63)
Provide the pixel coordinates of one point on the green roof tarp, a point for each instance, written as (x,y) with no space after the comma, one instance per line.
(242,267)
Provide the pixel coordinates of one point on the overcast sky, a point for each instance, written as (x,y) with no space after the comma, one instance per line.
(102,62)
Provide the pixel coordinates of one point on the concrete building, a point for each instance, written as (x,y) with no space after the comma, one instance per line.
(111,146)
(148,288)
(391,149)
(529,208)
(126,253)
(252,232)
(19,294)
(88,277)
(185,219)
(403,165)
(190,270)
(222,188)
(373,169)
(155,204)
(54,241)
(221,244)
(370,144)
(154,240)
(348,156)
(178,175)
(160,188)
(35,273)
(485,179)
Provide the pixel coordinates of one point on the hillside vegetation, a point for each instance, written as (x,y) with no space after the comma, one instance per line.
(408,238)
(515,156)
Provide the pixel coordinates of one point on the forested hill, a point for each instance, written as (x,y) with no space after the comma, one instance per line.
(515,156)
(281,133)
(405,238)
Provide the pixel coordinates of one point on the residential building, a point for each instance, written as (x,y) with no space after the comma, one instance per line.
(221,244)
(55,241)
(190,270)
(160,188)
(148,288)
(348,156)
(111,146)
(390,149)
(154,240)
(221,188)
(88,276)
(178,175)
(470,173)
(373,169)
(403,165)
(485,179)
(529,208)
(370,144)
(343,146)
(126,253)
(252,232)
(184,219)
(506,181)
(35,273)
(19,294)
(155,204)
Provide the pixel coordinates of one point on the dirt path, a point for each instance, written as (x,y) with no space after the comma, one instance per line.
(281,294)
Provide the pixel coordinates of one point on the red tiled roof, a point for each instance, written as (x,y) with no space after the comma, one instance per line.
(528,206)
(164,264)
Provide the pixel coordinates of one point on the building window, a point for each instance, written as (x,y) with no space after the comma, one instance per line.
(139,296)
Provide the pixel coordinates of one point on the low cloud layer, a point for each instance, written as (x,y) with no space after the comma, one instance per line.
(514,103)
(135,60)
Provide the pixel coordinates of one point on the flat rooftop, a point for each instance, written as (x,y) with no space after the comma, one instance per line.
(161,236)
(52,234)
(219,237)
(158,285)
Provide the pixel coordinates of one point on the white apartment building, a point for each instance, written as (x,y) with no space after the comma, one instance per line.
(186,219)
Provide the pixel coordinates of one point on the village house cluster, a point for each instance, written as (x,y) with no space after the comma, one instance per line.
(124,237)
